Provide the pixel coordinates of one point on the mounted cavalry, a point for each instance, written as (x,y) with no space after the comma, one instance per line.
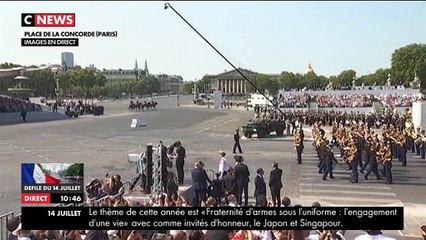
(139,106)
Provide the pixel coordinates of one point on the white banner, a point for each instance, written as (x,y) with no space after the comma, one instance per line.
(419,114)
(217,98)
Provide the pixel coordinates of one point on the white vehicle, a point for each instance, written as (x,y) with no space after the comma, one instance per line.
(258,100)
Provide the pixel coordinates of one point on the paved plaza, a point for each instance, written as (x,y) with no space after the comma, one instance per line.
(102,144)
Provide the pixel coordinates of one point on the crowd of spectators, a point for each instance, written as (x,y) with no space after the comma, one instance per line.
(345,100)
(293,101)
(9,104)
(405,100)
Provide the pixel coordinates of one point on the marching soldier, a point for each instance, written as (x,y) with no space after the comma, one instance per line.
(353,161)
(402,149)
(418,141)
(422,140)
(372,161)
(298,144)
(328,161)
(387,161)
(237,142)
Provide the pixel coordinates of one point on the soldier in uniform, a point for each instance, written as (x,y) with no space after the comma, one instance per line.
(353,161)
(422,144)
(298,144)
(417,141)
(237,142)
(372,160)
(387,161)
(328,161)
(402,149)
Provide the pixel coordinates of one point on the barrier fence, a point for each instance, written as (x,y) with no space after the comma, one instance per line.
(4,233)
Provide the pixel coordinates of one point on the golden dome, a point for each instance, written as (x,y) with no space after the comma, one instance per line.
(309,69)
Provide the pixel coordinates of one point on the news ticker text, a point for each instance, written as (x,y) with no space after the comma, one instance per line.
(190,218)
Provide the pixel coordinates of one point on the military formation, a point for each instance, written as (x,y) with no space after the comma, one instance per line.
(295,119)
(365,150)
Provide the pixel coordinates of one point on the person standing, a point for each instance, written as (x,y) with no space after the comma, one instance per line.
(241,179)
(298,144)
(217,189)
(223,163)
(24,114)
(328,161)
(260,188)
(372,166)
(172,187)
(237,142)
(199,183)
(164,165)
(387,161)
(275,184)
(228,181)
(180,161)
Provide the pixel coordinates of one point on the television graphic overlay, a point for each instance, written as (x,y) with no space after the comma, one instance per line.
(48,19)
(51,183)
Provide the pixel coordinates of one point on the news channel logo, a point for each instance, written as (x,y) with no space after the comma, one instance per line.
(48,19)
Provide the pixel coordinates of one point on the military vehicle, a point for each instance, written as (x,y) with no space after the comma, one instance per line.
(264,127)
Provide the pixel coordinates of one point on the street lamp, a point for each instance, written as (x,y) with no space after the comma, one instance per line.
(195,90)
(177,98)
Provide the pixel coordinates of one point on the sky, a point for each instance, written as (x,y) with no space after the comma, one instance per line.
(266,37)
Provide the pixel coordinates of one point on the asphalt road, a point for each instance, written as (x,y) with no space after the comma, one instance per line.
(102,144)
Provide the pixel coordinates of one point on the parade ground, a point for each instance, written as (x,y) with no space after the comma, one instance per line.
(103,142)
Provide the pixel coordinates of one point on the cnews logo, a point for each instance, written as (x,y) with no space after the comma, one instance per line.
(48,19)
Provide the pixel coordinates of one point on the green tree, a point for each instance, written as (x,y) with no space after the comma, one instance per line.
(346,77)
(75,169)
(309,80)
(8,65)
(369,79)
(85,80)
(188,87)
(42,81)
(381,76)
(288,80)
(404,62)
(152,84)
(44,170)
(265,84)
(5,83)
(421,74)
(322,81)
(64,81)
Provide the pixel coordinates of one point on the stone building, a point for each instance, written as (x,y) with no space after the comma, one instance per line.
(231,82)
(115,75)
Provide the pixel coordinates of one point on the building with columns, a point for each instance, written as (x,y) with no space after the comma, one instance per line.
(229,82)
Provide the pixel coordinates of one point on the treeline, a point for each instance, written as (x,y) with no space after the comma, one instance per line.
(81,83)
(406,63)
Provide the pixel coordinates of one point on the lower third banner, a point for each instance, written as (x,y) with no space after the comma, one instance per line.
(157,218)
